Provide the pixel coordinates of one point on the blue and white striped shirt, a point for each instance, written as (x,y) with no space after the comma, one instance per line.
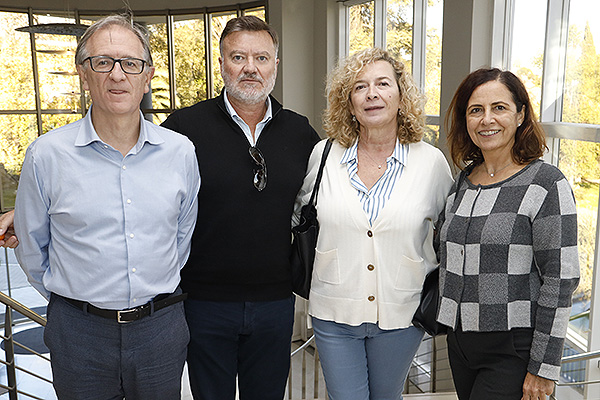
(374,200)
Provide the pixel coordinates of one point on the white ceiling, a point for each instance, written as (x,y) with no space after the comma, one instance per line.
(68,6)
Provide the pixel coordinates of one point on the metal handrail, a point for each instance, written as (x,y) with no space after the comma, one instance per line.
(20,308)
(9,346)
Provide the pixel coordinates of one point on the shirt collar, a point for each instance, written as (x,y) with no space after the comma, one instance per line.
(234,114)
(399,154)
(87,134)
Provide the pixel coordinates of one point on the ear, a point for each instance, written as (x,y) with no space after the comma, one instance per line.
(81,71)
(521,115)
(148,78)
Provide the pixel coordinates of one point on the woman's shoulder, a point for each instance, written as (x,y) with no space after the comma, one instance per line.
(544,174)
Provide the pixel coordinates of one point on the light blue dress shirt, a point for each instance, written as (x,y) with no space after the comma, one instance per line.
(99,227)
(373,200)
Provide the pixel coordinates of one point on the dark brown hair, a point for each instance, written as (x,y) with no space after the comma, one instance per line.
(530,140)
(248,23)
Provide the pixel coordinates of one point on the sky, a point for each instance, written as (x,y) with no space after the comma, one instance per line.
(530,20)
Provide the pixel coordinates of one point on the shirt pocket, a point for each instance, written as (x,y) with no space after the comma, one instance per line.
(327,266)
(410,274)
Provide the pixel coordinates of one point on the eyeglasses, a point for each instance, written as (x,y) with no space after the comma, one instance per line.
(105,64)
(260,173)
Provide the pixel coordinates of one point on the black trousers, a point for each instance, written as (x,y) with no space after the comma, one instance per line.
(489,365)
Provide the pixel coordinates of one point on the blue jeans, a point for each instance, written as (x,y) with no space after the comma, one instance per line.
(250,340)
(365,362)
(94,358)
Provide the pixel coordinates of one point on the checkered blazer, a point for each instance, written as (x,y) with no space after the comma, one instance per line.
(508,254)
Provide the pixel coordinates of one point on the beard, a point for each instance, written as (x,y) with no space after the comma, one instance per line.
(248,94)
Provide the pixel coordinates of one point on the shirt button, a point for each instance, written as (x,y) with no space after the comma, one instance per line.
(462,252)
(371,298)
(134,300)
(128,201)
(370,267)
(369,234)
(124,167)
(131,235)
(133,269)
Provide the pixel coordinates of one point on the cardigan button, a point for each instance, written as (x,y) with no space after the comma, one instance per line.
(369,234)
(371,298)
(370,267)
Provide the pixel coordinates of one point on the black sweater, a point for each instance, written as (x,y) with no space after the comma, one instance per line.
(241,244)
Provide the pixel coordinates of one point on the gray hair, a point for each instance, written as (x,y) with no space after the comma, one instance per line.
(124,21)
(248,23)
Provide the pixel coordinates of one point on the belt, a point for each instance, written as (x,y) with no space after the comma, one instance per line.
(131,314)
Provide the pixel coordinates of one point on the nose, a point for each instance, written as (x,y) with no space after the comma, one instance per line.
(487,118)
(250,66)
(117,72)
(372,93)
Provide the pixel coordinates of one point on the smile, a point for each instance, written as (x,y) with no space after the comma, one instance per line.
(373,108)
(489,133)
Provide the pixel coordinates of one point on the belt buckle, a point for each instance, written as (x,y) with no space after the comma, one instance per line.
(125,313)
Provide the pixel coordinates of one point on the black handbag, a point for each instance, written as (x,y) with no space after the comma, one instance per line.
(305,238)
(426,315)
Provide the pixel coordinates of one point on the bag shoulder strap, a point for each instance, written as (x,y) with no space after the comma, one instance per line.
(315,191)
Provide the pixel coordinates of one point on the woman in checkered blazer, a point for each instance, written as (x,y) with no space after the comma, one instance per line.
(508,245)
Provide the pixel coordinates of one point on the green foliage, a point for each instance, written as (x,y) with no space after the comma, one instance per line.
(362,22)
(580,161)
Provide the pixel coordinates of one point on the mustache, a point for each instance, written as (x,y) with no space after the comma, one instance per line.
(252,75)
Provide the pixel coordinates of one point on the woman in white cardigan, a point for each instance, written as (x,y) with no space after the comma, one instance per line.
(381,193)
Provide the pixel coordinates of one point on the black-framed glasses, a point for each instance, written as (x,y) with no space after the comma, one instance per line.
(105,64)
(260,173)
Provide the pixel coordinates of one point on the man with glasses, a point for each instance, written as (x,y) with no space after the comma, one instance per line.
(105,211)
(252,155)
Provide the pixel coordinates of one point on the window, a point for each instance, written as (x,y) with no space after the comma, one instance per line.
(411,30)
(527,56)
(362,23)
(560,67)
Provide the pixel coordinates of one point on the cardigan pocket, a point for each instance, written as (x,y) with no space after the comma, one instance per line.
(410,274)
(327,266)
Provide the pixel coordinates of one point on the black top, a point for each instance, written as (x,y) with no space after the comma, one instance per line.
(241,244)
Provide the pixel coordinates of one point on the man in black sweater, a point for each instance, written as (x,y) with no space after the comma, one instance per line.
(252,155)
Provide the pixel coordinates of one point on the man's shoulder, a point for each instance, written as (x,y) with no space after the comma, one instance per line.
(65,134)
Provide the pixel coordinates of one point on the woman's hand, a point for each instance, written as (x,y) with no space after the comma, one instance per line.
(536,388)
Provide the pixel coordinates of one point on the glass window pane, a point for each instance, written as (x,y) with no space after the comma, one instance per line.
(257,12)
(157,118)
(190,60)
(218,22)
(433,63)
(579,161)
(59,83)
(362,26)
(432,135)
(16,133)
(527,56)
(16,86)
(157,28)
(53,121)
(399,30)
(581,100)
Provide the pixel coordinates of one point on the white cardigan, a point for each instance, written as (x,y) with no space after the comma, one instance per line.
(374,273)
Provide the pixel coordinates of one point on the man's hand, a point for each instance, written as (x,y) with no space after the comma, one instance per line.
(7,230)
(536,387)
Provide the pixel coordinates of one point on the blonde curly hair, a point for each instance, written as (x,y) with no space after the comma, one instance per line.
(337,119)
